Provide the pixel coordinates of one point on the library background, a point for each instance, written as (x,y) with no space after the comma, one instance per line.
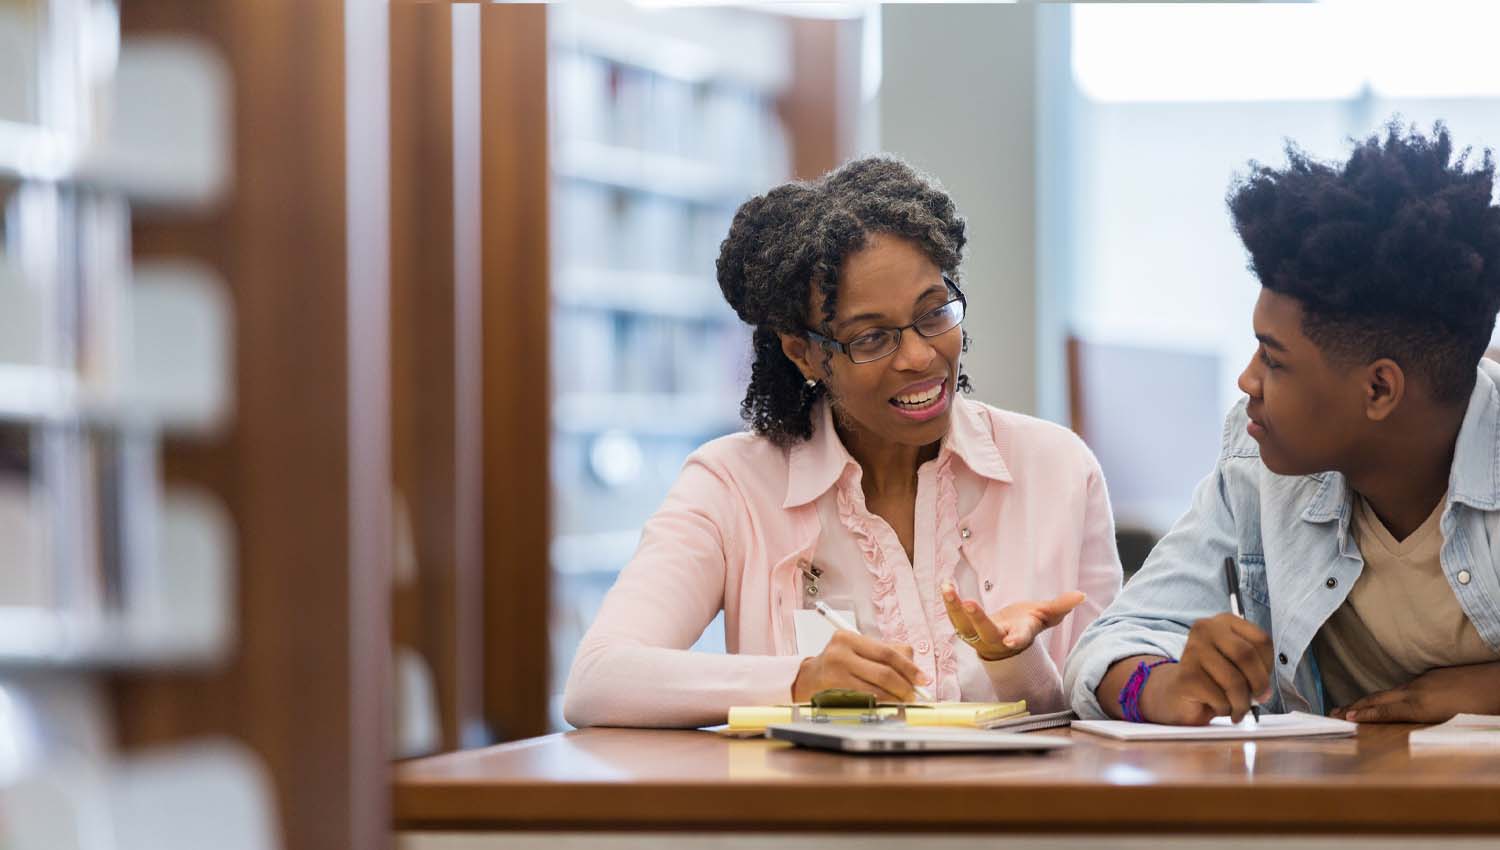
(345,347)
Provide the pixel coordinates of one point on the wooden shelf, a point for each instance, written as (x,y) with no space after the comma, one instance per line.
(43,639)
(37,394)
(44,395)
(31,152)
(41,155)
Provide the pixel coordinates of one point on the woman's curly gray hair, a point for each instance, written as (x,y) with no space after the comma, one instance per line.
(797,236)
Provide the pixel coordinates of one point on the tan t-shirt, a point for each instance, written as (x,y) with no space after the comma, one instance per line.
(1401,618)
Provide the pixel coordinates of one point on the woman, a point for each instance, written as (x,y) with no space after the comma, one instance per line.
(865,481)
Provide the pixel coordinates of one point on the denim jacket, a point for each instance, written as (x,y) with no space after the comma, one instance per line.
(1297,559)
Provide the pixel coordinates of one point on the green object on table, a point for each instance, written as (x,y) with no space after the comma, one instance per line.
(843,698)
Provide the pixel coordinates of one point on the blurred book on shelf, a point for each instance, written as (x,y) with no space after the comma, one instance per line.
(662,125)
(103,568)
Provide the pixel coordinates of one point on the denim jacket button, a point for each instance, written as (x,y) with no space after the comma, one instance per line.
(1332,583)
(1463,576)
(1281,657)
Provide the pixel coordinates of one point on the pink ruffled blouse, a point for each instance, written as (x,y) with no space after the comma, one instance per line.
(1012,508)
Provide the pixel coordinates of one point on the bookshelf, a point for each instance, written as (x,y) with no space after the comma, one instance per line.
(661,126)
(102,358)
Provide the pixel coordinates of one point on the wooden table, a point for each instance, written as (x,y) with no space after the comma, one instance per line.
(638,781)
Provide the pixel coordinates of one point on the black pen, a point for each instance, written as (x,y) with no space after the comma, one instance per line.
(1237,608)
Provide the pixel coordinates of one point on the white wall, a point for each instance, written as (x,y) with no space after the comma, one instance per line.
(958,100)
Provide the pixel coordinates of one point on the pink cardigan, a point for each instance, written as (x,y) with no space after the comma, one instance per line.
(743,514)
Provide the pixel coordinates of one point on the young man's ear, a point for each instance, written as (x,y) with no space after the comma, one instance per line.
(1385,387)
(797,349)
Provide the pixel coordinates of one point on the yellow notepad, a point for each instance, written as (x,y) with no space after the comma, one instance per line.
(971,715)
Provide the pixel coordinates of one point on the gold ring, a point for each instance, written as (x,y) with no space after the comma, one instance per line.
(969,639)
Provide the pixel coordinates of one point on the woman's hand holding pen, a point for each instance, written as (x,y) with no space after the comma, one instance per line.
(1226,665)
(860,663)
(1010,630)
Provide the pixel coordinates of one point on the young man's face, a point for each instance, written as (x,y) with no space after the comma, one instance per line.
(1307,415)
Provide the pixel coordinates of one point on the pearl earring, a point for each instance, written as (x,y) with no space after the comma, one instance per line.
(811,383)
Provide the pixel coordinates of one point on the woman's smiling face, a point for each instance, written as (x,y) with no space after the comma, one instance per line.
(905,397)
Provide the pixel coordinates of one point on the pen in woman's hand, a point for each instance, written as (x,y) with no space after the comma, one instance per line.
(838,622)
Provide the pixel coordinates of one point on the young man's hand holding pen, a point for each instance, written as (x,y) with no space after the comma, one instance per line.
(1237,608)
(1225,669)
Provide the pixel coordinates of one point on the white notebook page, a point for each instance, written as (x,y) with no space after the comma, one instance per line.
(1293,725)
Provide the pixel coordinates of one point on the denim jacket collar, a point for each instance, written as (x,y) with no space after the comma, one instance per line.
(1474,479)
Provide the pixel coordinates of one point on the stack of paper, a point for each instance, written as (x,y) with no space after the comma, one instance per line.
(1466,731)
(969,715)
(1293,725)
(750,718)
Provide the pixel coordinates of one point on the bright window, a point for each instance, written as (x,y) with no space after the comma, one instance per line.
(1293,51)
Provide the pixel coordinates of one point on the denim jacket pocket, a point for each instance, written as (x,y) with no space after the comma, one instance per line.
(1255,590)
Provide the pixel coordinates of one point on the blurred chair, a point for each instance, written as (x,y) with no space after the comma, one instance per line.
(1153,417)
(1134,543)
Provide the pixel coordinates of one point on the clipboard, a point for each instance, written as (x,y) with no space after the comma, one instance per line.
(857,707)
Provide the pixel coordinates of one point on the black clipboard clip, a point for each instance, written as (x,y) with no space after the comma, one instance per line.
(842,705)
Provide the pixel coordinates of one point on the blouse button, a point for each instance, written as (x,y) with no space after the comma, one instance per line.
(965,533)
(989,585)
(923,647)
(1463,576)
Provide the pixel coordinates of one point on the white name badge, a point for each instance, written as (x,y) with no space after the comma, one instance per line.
(814,632)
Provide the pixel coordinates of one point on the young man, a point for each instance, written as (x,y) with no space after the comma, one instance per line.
(1358,489)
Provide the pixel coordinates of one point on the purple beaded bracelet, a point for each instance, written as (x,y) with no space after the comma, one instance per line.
(1130,695)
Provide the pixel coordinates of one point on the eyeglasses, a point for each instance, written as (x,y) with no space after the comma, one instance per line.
(883,342)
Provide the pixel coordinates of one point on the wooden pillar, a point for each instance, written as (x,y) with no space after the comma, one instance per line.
(812,107)
(434,332)
(516,372)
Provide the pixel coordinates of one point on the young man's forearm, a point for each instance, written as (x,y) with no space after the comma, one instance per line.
(1108,692)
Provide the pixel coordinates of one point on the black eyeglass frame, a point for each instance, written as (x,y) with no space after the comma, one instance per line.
(843,347)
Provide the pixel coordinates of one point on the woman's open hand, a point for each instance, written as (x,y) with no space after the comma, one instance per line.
(1010,630)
